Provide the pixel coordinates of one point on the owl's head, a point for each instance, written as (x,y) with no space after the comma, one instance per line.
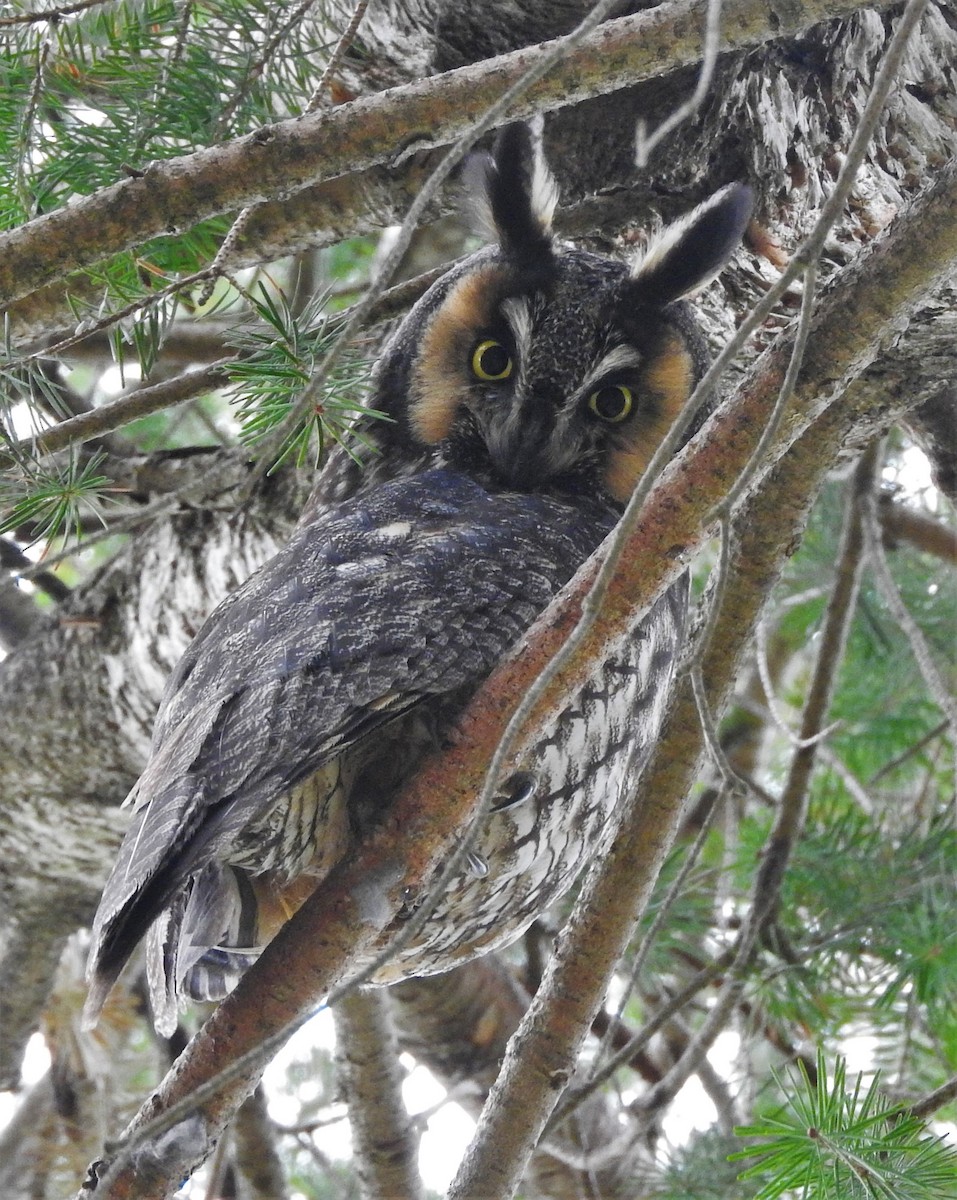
(536,366)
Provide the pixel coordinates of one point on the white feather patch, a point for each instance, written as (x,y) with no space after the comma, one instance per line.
(545,193)
(661,243)
(620,358)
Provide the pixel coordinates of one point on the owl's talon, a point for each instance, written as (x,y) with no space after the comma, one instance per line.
(518,789)
(477,864)
(410,902)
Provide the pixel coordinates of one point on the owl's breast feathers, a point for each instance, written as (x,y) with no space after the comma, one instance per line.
(374,617)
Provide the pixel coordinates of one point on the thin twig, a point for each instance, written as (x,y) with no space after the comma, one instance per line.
(172,57)
(664,909)
(125,524)
(44,45)
(53,15)
(922,652)
(792,809)
(646,142)
(769,433)
(947,1092)
(88,327)
(342,47)
(230,241)
(140,402)
(899,759)
(257,65)
(854,787)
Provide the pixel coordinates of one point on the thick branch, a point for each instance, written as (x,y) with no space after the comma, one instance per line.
(255,1155)
(300,152)
(385,1147)
(902,524)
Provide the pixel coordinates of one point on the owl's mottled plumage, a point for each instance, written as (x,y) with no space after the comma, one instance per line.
(527,389)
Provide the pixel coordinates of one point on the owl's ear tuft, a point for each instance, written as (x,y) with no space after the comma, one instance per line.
(691,252)
(514,195)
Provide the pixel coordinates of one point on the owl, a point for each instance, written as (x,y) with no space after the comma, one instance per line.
(524,394)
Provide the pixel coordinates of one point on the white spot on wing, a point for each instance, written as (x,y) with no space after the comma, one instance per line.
(395,531)
(362,568)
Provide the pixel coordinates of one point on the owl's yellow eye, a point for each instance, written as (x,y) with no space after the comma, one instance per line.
(491,361)
(612,403)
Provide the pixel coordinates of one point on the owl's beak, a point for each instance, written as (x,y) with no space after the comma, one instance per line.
(527,449)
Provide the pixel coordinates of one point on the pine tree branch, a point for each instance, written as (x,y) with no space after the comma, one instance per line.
(385,1148)
(383,128)
(902,524)
(254,1153)
(144,400)
(140,402)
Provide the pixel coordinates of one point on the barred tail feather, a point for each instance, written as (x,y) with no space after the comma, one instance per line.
(202,943)
(217,973)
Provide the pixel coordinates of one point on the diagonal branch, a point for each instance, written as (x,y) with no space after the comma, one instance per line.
(793,805)
(542,1053)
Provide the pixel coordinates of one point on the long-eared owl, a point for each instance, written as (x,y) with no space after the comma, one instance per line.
(526,392)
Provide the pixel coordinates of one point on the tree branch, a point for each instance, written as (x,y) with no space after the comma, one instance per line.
(383,128)
(902,524)
(255,1154)
(384,1145)
(793,805)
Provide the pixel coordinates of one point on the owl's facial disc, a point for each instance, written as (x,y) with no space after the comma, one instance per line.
(545,389)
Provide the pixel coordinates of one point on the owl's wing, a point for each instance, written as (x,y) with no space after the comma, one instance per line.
(415,590)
